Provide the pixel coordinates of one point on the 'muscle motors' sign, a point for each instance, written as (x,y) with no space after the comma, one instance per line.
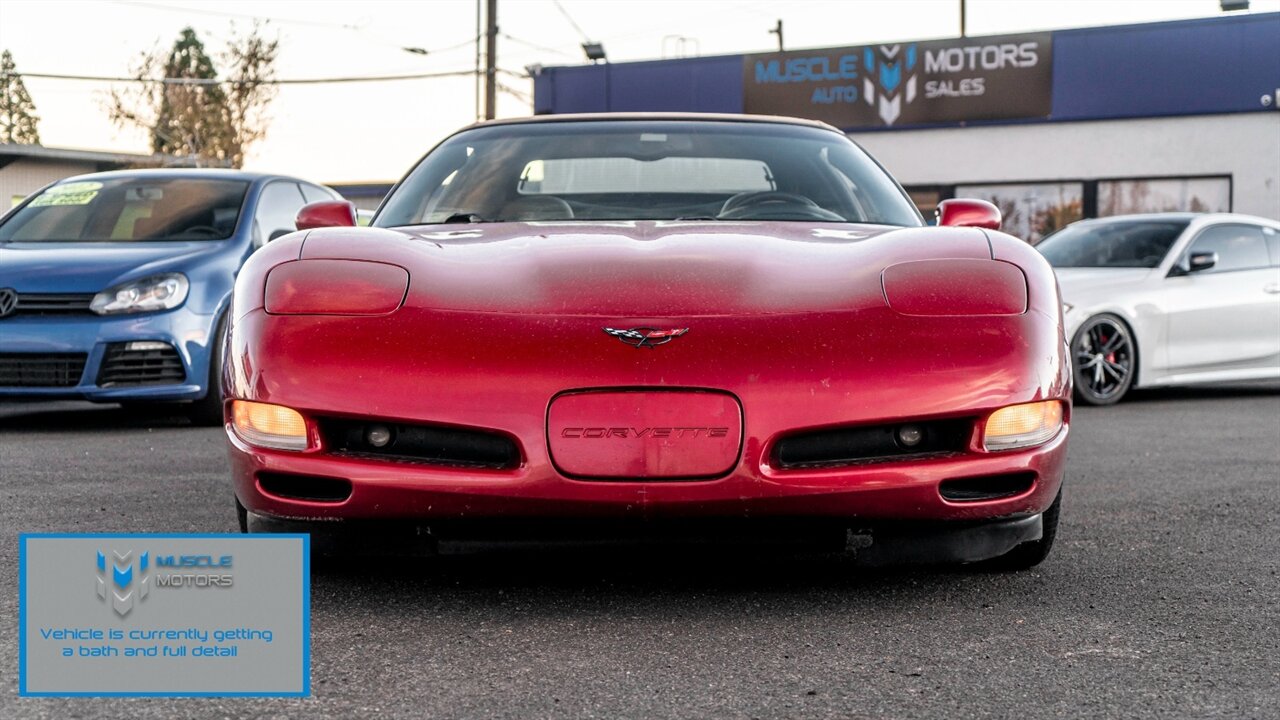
(905,84)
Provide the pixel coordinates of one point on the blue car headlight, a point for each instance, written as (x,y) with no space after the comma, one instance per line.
(158,292)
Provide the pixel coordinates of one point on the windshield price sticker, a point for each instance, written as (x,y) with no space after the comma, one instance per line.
(76,193)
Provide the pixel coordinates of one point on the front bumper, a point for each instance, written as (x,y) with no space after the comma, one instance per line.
(188,332)
(495,373)
(906,490)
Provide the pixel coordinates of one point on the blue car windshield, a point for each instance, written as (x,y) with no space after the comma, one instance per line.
(129,209)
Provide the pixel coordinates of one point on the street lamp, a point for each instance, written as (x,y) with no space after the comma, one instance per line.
(594,51)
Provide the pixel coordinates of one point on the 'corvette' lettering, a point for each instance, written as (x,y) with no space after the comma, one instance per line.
(599,433)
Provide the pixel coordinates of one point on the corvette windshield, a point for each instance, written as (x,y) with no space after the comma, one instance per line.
(129,209)
(1120,244)
(647,170)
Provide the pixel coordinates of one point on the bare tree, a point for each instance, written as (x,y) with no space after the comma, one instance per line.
(192,112)
(252,59)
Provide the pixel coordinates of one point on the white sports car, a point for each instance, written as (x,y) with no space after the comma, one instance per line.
(1168,299)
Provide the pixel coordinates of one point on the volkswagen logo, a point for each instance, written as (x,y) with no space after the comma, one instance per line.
(646,337)
(8,301)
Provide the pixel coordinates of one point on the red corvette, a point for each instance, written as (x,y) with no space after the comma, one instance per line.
(630,322)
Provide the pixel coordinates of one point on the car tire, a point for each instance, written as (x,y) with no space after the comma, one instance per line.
(326,553)
(337,546)
(207,411)
(1029,554)
(1104,360)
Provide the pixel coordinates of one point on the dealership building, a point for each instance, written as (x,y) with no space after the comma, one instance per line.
(1052,127)
(25,169)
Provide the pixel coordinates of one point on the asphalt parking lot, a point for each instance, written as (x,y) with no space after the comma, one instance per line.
(1161,599)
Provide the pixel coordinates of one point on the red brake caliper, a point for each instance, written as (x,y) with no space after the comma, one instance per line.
(1111,357)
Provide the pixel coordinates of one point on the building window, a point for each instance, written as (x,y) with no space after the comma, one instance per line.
(926,200)
(1126,197)
(1031,210)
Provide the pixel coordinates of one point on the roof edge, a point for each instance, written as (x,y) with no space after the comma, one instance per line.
(658,116)
(40,152)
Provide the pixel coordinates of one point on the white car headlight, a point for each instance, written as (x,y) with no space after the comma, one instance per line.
(158,292)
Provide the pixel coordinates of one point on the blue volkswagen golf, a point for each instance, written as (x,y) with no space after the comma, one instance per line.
(114,286)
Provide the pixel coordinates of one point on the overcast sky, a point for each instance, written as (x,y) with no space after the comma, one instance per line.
(375,131)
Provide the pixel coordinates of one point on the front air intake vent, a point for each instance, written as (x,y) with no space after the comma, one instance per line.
(310,488)
(426,444)
(872,444)
(41,369)
(989,487)
(141,363)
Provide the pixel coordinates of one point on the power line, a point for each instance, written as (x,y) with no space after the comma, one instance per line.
(222,13)
(462,44)
(535,46)
(518,94)
(569,17)
(215,81)
(359,29)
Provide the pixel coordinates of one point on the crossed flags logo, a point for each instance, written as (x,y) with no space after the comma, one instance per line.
(887,65)
(117,583)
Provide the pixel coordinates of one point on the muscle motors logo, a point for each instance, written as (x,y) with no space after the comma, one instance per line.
(122,583)
(888,91)
(126,578)
(923,82)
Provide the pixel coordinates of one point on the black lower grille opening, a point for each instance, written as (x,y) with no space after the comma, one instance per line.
(869,444)
(41,369)
(990,487)
(141,363)
(311,488)
(420,443)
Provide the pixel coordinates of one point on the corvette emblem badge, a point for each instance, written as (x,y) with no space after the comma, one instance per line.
(646,337)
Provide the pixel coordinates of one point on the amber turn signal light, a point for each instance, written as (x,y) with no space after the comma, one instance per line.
(269,426)
(1022,426)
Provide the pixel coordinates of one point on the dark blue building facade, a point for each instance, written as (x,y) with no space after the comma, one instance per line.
(1218,65)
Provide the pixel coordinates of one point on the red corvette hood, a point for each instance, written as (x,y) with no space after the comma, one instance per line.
(646,269)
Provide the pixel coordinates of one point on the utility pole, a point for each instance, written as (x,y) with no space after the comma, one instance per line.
(476,77)
(491,62)
(777,30)
(962,19)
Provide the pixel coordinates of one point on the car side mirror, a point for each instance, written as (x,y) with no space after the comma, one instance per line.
(330,213)
(1201,261)
(967,212)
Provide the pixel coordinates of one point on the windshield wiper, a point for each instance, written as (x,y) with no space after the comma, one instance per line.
(689,218)
(464,217)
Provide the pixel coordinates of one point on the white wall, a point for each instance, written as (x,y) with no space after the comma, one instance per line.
(25,176)
(1243,145)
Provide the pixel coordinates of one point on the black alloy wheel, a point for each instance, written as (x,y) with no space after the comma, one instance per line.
(1104,359)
